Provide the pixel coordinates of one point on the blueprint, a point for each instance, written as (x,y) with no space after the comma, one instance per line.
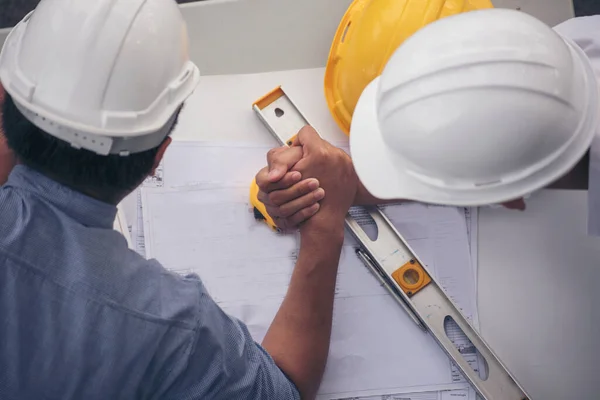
(247,267)
(203,185)
(134,206)
(466,394)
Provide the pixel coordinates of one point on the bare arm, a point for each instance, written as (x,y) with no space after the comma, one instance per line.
(364,198)
(7,159)
(298,339)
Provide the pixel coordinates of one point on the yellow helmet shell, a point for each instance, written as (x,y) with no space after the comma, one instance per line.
(369,33)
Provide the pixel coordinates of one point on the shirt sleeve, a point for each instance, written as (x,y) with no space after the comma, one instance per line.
(585,32)
(224,362)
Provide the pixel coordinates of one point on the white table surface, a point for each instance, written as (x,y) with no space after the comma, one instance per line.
(539,297)
(539,274)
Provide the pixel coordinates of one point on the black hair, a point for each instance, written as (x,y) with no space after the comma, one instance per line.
(108,178)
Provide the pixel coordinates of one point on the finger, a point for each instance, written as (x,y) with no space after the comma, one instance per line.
(300,217)
(305,136)
(273,211)
(288,180)
(261,177)
(281,161)
(288,209)
(296,205)
(518,204)
(264,198)
(280,197)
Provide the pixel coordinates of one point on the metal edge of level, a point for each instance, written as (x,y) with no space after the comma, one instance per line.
(466,373)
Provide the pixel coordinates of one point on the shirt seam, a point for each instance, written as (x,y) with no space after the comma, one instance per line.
(102,301)
(22,186)
(170,371)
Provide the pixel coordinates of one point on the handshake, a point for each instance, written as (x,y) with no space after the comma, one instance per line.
(310,184)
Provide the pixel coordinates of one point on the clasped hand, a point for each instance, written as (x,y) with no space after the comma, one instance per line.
(311,184)
(313,181)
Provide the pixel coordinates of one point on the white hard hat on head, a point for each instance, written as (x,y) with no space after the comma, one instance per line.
(474,109)
(103,75)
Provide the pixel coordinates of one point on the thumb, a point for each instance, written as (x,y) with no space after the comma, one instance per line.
(306,137)
(280,162)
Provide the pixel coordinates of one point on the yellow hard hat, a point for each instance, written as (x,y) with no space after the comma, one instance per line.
(367,36)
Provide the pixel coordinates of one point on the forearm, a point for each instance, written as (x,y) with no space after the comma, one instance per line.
(298,339)
(7,160)
(364,198)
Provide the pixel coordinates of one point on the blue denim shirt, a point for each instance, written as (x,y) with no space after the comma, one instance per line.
(84,317)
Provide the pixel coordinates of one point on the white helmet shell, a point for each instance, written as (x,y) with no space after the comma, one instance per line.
(102,75)
(477,108)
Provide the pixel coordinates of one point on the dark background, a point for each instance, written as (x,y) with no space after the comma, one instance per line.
(11,11)
(582,7)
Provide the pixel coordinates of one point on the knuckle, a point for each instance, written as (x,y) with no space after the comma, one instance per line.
(262,197)
(301,217)
(308,200)
(275,198)
(288,181)
(267,187)
(307,213)
(261,178)
(300,190)
(272,154)
(304,130)
(285,182)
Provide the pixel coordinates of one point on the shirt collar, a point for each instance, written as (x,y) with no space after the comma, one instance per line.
(82,208)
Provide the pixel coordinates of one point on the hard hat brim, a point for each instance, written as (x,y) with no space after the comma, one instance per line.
(101,126)
(388,176)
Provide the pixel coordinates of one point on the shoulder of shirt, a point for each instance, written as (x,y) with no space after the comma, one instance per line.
(585,32)
(581,28)
(161,295)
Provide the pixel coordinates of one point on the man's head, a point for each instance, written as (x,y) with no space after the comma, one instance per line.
(92,105)
(108,178)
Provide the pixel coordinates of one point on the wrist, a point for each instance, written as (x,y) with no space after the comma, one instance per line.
(363,197)
(324,228)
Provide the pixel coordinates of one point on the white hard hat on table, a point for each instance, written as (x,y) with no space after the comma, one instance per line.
(477,108)
(106,76)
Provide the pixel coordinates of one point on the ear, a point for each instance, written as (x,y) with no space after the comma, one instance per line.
(7,159)
(160,153)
